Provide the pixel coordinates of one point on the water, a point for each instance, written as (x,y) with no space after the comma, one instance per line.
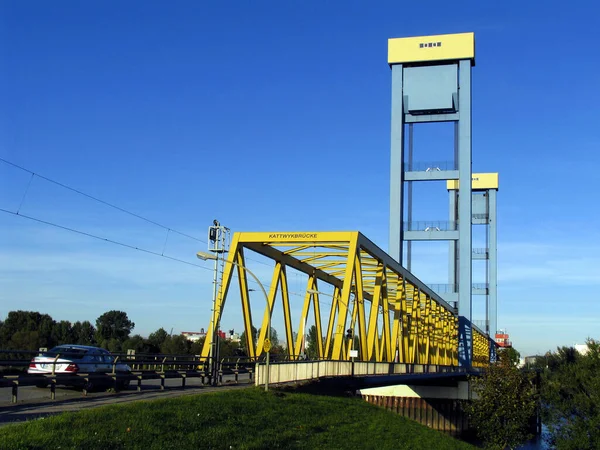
(539,442)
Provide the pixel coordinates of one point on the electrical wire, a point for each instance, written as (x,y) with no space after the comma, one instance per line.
(112,241)
(25,193)
(122,244)
(100,238)
(118,208)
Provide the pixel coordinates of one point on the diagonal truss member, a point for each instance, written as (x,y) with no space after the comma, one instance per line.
(394,316)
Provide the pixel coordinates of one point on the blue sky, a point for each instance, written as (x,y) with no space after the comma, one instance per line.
(275,116)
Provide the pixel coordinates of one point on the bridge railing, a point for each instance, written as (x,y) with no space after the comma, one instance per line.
(431,166)
(430,225)
(312,370)
(15,362)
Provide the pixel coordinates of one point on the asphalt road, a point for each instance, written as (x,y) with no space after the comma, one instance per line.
(35,402)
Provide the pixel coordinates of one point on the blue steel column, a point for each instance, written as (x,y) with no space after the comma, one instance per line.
(452,254)
(396,237)
(493,263)
(452,281)
(465,244)
(409,189)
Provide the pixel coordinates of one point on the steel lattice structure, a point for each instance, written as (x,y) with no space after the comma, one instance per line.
(395,316)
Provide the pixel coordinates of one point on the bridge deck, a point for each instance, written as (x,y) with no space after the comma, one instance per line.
(359,375)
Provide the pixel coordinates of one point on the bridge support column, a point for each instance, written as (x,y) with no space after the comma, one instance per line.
(438,407)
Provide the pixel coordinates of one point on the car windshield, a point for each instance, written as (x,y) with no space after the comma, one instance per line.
(70,352)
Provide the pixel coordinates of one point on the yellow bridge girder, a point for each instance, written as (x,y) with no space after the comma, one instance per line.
(481,349)
(395,316)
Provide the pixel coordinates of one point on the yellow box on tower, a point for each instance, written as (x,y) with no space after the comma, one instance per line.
(442,47)
(481,181)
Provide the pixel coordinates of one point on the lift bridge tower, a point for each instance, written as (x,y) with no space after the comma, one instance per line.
(431,82)
(484,215)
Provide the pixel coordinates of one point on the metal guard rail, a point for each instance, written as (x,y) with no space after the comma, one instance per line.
(169,368)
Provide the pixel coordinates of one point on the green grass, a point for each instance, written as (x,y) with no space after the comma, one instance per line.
(240,419)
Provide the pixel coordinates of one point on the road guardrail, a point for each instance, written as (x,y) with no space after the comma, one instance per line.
(14,363)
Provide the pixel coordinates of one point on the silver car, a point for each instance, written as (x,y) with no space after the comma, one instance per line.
(73,359)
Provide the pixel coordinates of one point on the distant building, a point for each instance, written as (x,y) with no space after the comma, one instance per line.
(529,360)
(232,336)
(194,335)
(502,339)
(197,335)
(582,349)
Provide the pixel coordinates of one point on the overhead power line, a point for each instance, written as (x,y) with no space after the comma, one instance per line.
(100,238)
(118,208)
(122,244)
(150,252)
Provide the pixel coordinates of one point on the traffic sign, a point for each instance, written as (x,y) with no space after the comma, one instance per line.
(267,345)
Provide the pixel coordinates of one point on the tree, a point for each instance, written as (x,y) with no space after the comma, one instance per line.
(274,336)
(312,349)
(512,355)
(113,345)
(35,330)
(196,347)
(504,404)
(113,325)
(278,353)
(84,333)
(228,349)
(570,397)
(157,339)
(244,341)
(176,345)
(62,333)
(563,357)
(24,340)
(136,343)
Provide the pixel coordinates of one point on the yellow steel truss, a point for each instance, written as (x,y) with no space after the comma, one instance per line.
(406,321)
(481,349)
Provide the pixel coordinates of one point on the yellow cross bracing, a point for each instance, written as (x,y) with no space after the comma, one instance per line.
(481,349)
(394,316)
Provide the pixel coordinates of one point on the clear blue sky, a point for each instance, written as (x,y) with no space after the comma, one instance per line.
(275,116)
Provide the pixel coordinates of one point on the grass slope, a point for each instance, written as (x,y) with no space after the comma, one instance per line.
(242,419)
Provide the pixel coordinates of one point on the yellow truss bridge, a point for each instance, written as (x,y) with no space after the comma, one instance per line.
(394,316)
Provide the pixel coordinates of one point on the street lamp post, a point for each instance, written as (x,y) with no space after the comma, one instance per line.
(209,256)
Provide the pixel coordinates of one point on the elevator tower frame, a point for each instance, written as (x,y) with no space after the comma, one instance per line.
(484,188)
(431,82)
